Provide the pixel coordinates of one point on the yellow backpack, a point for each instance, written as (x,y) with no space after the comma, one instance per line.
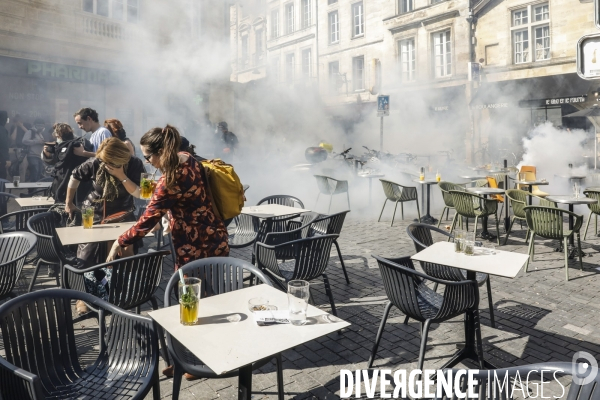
(225,188)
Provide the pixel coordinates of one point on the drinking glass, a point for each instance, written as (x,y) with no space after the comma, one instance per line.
(576,189)
(438,177)
(16,180)
(469,246)
(522,176)
(489,248)
(87,216)
(147,186)
(459,236)
(298,292)
(189,297)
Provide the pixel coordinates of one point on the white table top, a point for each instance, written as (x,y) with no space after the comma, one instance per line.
(371,175)
(571,199)
(35,201)
(98,233)
(426,181)
(474,177)
(28,185)
(571,176)
(225,346)
(503,263)
(531,183)
(485,190)
(272,210)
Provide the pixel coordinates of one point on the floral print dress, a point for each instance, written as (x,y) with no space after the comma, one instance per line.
(195,230)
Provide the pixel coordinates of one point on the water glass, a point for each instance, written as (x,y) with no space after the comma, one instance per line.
(298,293)
(459,236)
(189,297)
(522,177)
(489,248)
(576,189)
(16,180)
(469,247)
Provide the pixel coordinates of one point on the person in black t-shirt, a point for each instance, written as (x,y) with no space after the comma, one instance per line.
(227,143)
(4,161)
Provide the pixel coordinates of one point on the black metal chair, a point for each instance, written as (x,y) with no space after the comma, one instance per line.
(306,258)
(498,390)
(243,234)
(41,351)
(4,198)
(406,290)
(218,275)
(14,248)
(17,221)
(421,236)
(49,249)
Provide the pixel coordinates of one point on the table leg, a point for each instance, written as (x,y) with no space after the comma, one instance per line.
(485,234)
(530,192)
(427,218)
(245,382)
(370,184)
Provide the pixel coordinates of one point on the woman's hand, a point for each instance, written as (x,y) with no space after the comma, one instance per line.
(118,173)
(115,251)
(70,208)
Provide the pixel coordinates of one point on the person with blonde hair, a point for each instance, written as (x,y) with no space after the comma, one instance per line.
(115,175)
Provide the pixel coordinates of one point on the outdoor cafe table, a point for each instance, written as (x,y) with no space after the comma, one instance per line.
(427,218)
(269,211)
(98,233)
(28,185)
(504,263)
(34,202)
(485,191)
(226,345)
(571,201)
(572,178)
(370,178)
(531,184)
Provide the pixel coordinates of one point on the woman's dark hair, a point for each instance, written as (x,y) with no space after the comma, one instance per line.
(116,128)
(168,140)
(64,131)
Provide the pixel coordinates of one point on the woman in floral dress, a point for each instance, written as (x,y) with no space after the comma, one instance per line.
(181,191)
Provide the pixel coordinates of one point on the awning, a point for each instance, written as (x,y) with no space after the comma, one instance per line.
(532,92)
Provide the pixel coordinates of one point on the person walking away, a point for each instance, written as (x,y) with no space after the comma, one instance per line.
(34,139)
(4,160)
(87,120)
(115,175)
(61,156)
(227,142)
(181,190)
(116,129)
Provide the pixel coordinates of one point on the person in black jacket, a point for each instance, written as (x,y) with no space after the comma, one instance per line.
(60,155)
(4,160)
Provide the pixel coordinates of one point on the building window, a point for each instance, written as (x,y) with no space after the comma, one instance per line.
(306,13)
(124,10)
(406,49)
(259,41)
(358,18)
(531,23)
(244,50)
(330,2)
(306,63)
(274,68)
(274,24)
(289,67)
(405,6)
(334,27)
(289,18)
(334,76)
(442,54)
(436,1)
(358,73)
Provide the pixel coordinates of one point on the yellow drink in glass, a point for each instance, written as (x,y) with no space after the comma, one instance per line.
(87,214)
(422,177)
(438,177)
(147,186)
(188,312)
(189,301)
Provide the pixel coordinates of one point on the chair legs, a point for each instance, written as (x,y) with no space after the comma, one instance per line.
(386,312)
(580,252)
(161,334)
(329,208)
(497,231)
(329,294)
(446,209)
(177,375)
(490,302)
(348,197)
(35,274)
(588,225)
(566,249)
(394,215)
(402,210)
(424,332)
(337,246)
(382,208)
(531,250)
(512,221)
(156,386)
(418,212)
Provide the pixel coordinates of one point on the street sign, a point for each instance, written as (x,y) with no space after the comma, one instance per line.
(383,106)
(588,57)
(474,72)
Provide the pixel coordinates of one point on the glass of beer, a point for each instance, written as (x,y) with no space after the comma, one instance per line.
(147,186)
(189,298)
(87,214)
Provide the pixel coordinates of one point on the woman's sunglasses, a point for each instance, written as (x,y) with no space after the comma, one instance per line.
(147,158)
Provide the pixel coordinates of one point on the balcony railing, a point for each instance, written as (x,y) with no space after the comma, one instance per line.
(256,60)
(105,28)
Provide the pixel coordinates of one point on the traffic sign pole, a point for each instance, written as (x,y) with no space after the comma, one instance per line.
(381,134)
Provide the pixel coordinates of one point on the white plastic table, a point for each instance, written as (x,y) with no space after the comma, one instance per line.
(225,345)
(34,202)
(504,263)
(28,185)
(272,210)
(98,233)
(427,218)
(485,191)
(370,177)
(531,184)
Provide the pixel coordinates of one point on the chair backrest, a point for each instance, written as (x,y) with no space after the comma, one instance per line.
(518,201)
(14,247)
(397,192)
(546,222)
(528,168)
(38,337)
(327,225)
(283,200)
(530,175)
(592,194)
(481,182)
(133,282)
(20,218)
(246,229)
(445,188)
(493,183)
(328,185)
(464,203)
(43,226)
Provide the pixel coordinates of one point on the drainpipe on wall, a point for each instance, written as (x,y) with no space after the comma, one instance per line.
(472,20)
(317,44)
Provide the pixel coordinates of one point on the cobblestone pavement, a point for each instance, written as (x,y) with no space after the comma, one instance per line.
(539,316)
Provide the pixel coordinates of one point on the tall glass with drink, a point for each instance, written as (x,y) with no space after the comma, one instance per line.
(87,216)
(147,186)
(298,292)
(189,299)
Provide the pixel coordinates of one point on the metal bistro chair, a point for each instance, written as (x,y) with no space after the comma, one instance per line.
(422,238)
(330,186)
(547,222)
(398,194)
(4,199)
(406,289)
(470,205)
(594,210)
(49,248)
(500,389)
(20,220)
(14,248)
(307,259)
(445,188)
(41,351)
(518,202)
(218,275)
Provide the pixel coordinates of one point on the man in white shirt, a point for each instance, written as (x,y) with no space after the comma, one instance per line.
(87,120)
